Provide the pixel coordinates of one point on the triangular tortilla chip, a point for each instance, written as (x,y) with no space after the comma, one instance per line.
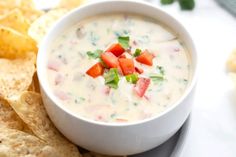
(16,75)
(15,44)
(41,26)
(30,108)
(15,143)
(15,20)
(10,119)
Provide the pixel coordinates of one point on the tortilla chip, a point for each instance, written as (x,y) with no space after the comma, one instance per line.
(4,9)
(18,3)
(14,44)
(70,4)
(41,26)
(31,110)
(25,3)
(16,75)
(231,62)
(31,14)
(15,143)
(10,119)
(27,7)
(34,87)
(15,20)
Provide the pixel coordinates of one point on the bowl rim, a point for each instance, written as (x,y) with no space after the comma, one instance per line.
(45,86)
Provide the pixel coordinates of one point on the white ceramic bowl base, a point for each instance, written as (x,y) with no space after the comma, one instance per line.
(116,139)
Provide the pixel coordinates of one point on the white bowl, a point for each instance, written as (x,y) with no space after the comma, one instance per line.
(116,139)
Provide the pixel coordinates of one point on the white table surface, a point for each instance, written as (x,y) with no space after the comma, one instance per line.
(213,127)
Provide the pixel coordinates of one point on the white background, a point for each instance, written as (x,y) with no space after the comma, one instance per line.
(213,127)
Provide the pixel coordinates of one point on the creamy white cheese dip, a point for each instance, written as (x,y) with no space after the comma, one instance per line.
(90,97)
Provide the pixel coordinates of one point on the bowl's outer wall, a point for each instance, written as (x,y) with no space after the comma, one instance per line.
(110,139)
(122,140)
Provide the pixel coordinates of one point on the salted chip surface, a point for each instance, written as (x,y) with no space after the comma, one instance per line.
(30,108)
(16,75)
(29,13)
(15,143)
(18,3)
(15,20)
(14,44)
(34,87)
(27,7)
(9,118)
(41,26)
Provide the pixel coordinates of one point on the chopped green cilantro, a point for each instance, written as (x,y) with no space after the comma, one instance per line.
(167,1)
(187,4)
(184,4)
(94,54)
(82,98)
(137,52)
(160,70)
(132,78)
(113,115)
(157,77)
(112,78)
(124,41)
(185,81)
(79,100)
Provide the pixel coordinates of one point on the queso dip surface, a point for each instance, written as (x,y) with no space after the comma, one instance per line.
(91,98)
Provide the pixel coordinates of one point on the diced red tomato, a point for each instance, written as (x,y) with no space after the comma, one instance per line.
(99,117)
(127,66)
(120,70)
(110,59)
(54,65)
(141,86)
(62,95)
(96,70)
(116,49)
(145,58)
(139,70)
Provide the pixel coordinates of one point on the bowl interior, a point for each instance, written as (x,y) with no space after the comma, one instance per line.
(113,6)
